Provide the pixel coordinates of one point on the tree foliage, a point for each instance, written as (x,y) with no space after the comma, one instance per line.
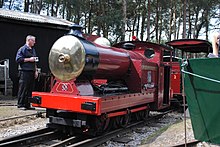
(152,20)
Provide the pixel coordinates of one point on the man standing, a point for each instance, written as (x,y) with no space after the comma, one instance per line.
(26,59)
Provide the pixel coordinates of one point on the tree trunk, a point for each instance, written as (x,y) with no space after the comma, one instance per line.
(207,24)
(1,3)
(124,7)
(143,21)
(189,21)
(157,21)
(199,26)
(90,17)
(52,5)
(148,20)
(160,20)
(98,15)
(137,28)
(195,23)
(134,24)
(184,19)
(174,20)
(68,10)
(36,6)
(160,30)
(171,20)
(64,8)
(103,9)
(26,5)
(179,23)
(57,7)
(40,6)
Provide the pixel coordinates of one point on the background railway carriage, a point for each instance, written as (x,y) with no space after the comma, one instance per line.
(184,49)
(136,81)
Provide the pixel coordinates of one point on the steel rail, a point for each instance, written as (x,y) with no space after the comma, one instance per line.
(26,135)
(32,139)
(39,113)
(7,104)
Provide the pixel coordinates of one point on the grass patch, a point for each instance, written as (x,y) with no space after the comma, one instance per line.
(157,133)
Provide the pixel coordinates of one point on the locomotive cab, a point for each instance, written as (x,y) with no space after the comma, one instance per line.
(153,53)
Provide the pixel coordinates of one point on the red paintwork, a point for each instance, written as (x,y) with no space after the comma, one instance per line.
(90,37)
(103,105)
(113,63)
(124,112)
(176,78)
(120,113)
(98,82)
(124,101)
(65,87)
(140,109)
(67,102)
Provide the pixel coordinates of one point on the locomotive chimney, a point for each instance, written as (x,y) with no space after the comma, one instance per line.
(76,30)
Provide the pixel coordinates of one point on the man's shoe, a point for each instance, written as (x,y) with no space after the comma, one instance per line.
(29,108)
(20,106)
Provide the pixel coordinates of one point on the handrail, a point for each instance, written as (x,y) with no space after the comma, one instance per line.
(185,63)
(6,68)
(3,60)
(199,76)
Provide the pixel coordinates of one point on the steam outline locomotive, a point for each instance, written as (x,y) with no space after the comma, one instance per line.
(98,87)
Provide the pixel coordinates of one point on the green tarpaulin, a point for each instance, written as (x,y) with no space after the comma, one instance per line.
(203,97)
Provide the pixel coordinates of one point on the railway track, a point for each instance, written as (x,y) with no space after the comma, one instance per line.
(9,104)
(54,138)
(30,138)
(38,114)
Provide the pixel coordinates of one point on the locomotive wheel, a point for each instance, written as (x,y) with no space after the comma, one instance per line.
(117,121)
(113,123)
(124,120)
(101,124)
(145,114)
(138,115)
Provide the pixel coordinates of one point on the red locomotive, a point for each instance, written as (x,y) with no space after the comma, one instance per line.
(98,87)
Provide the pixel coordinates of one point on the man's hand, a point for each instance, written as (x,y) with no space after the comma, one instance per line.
(31,59)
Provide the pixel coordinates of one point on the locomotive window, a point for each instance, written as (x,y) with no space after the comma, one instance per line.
(149,53)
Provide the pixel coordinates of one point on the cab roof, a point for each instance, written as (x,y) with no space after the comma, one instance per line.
(144,43)
(191,45)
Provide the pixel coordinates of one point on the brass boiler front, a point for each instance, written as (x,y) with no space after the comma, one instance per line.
(67,58)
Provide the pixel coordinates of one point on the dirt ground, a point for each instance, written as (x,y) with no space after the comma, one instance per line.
(173,135)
